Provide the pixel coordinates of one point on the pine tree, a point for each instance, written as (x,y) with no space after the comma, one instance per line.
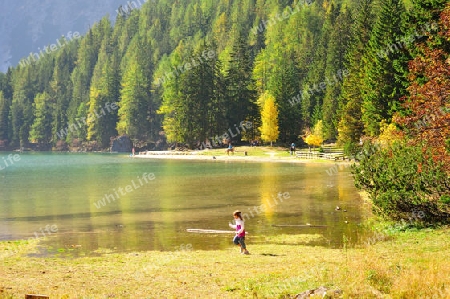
(201,83)
(133,105)
(422,16)
(335,72)
(193,105)
(351,127)
(104,92)
(41,129)
(22,107)
(241,94)
(172,106)
(284,88)
(61,89)
(81,77)
(381,83)
(218,103)
(6,91)
(4,112)
(314,93)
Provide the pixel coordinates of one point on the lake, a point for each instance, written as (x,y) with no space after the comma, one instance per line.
(90,202)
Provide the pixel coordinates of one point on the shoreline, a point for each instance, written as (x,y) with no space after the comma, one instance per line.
(171,155)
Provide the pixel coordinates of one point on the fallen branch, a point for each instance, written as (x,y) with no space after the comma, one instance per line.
(298,225)
(210,231)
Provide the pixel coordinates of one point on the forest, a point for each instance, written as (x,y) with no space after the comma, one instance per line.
(186,71)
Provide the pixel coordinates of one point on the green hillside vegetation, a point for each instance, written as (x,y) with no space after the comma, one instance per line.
(187,71)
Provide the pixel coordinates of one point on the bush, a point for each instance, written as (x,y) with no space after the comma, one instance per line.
(351,149)
(61,145)
(402,181)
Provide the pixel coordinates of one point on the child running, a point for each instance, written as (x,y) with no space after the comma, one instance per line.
(239,239)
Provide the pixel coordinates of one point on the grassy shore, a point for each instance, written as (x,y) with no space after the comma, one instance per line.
(398,264)
(254,154)
(253,151)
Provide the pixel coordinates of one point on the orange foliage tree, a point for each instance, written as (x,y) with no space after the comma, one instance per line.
(426,118)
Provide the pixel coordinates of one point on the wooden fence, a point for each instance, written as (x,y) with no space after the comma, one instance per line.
(316,155)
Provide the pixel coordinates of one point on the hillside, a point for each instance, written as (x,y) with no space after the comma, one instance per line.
(199,73)
(27,25)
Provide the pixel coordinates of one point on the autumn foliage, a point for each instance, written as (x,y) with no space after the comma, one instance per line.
(409,170)
(315,138)
(269,117)
(426,118)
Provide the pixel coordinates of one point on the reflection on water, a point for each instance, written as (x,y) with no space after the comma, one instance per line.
(64,190)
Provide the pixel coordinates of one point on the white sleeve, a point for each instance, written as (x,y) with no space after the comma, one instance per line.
(242,227)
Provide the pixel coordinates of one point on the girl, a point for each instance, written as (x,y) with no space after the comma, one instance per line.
(239,239)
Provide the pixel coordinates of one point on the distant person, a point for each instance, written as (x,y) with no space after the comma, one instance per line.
(239,239)
(132,151)
(230,149)
(292,148)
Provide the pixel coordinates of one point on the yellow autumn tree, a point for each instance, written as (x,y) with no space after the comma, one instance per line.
(389,133)
(316,137)
(269,118)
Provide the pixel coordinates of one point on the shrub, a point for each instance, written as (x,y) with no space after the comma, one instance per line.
(351,149)
(401,181)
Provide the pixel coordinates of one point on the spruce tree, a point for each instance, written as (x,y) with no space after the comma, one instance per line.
(284,88)
(4,112)
(61,89)
(381,83)
(81,78)
(241,94)
(104,92)
(41,129)
(22,107)
(351,127)
(134,97)
(193,104)
(335,72)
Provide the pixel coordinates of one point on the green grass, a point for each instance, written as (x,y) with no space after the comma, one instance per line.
(259,152)
(409,264)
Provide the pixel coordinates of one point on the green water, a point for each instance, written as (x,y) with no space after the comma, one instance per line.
(63,190)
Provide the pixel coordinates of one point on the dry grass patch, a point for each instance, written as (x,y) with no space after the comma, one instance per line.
(410,265)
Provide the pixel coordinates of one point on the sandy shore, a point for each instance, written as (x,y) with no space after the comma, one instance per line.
(236,157)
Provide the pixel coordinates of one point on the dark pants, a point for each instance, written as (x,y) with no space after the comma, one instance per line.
(239,240)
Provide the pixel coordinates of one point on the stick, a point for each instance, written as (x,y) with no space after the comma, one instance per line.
(210,231)
(297,225)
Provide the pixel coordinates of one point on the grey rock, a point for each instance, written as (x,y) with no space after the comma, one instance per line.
(122,144)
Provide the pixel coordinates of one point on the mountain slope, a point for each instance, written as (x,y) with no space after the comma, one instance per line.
(27,25)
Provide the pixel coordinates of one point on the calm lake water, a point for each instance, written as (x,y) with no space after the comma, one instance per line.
(42,190)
